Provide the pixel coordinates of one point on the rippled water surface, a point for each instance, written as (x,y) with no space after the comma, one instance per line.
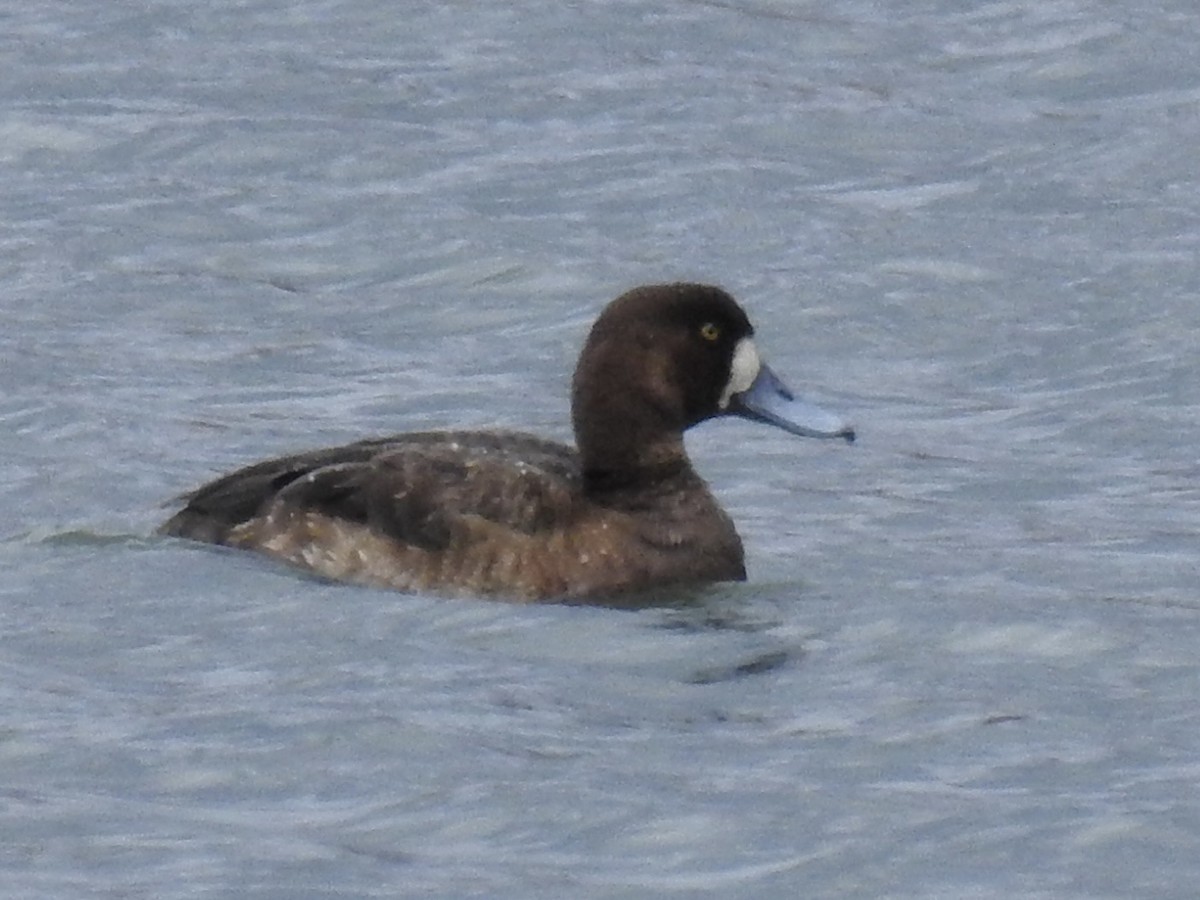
(965,664)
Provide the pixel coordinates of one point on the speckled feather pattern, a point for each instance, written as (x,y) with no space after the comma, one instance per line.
(466,513)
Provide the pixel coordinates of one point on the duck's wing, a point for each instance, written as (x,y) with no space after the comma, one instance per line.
(212,510)
(412,489)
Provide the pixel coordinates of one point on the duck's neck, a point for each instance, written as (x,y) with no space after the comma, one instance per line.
(627,413)
(616,454)
(599,480)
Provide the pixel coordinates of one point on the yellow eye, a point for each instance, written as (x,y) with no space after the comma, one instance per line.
(710,331)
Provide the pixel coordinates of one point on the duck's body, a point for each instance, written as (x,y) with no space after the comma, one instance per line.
(511,514)
(467,513)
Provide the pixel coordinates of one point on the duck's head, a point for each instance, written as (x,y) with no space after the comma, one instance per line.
(662,358)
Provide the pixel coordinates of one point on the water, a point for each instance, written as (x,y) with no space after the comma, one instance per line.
(965,663)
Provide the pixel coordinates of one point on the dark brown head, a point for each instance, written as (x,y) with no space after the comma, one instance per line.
(662,358)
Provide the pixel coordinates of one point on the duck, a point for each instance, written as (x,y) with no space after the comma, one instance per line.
(505,514)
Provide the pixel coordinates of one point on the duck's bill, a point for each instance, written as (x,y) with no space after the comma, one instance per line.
(769,400)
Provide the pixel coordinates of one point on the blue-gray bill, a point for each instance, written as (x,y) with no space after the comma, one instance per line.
(769,400)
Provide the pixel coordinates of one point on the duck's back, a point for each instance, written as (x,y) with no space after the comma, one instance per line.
(465,512)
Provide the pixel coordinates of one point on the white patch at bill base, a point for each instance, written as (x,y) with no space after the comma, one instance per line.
(743,369)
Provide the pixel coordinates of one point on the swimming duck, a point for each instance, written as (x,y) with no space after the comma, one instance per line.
(516,516)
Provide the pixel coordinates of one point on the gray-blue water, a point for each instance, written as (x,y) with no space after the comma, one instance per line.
(966,661)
